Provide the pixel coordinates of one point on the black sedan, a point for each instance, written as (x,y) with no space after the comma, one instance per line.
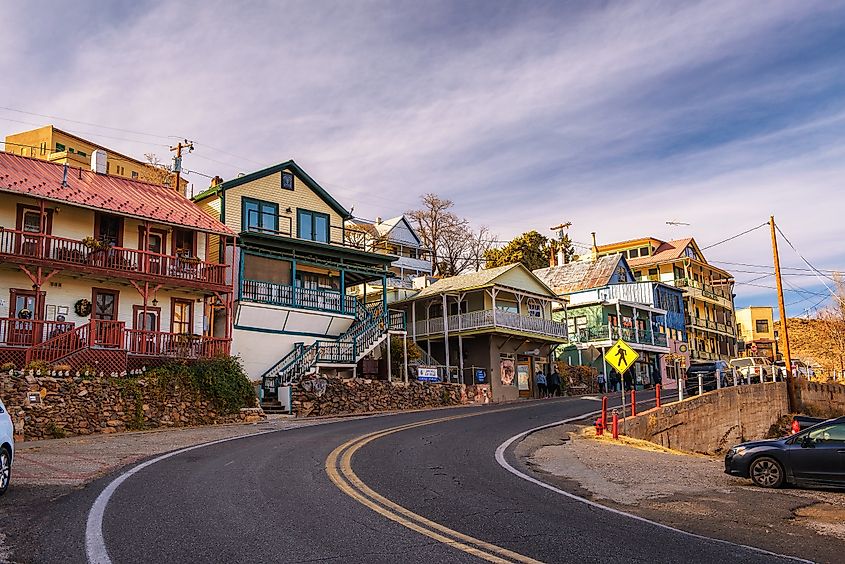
(814,456)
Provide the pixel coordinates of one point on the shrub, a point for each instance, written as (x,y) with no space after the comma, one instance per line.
(7,367)
(221,379)
(37,365)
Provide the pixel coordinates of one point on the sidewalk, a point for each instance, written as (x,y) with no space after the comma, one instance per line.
(78,460)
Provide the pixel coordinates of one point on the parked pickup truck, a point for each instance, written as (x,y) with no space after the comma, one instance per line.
(753,366)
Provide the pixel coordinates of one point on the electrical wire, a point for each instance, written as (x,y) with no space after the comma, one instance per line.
(818,273)
(735,236)
(770,266)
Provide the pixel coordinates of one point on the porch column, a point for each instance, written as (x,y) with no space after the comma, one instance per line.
(342,291)
(618,320)
(144,295)
(384,294)
(636,328)
(446,335)
(493,293)
(405,350)
(651,325)
(413,320)
(389,360)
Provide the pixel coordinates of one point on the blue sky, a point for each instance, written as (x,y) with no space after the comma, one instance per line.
(617,116)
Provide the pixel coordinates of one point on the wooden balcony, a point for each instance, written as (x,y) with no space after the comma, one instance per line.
(70,254)
(609,334)
(271,293)
(491,320)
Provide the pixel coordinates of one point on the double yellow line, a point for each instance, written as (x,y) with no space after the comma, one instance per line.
(339,469)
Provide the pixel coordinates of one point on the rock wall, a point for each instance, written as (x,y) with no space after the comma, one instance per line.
(47,407)
(822,400)
(357,395)
(713,422)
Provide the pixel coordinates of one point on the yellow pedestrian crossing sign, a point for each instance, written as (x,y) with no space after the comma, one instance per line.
(621,356)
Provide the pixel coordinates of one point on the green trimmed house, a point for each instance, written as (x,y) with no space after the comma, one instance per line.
(294,264)
(497,332)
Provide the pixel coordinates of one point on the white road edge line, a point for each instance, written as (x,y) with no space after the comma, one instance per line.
(95,544)
(500,458)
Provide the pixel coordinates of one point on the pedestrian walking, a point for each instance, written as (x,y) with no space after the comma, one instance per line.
(540,378)
(554,384)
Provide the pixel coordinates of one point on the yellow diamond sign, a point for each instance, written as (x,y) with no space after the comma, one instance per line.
(621,356)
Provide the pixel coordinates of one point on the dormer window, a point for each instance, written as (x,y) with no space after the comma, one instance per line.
(287,180)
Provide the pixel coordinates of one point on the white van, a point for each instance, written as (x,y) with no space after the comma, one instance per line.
(753,366)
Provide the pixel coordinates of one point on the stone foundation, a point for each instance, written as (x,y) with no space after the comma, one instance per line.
(357,395)
(44,407)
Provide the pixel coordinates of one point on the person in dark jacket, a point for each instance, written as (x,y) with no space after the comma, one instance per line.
(554,384)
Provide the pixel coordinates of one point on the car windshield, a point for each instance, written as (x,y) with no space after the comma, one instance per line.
(835,432)
(702,368)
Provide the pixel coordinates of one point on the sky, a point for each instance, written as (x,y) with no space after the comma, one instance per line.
(616,116)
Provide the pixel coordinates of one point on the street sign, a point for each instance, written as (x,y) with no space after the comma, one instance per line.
(591,353)
(621,356)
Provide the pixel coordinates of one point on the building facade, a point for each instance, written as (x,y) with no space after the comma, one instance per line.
(295,263)
(755,329)
(492,328)
(708,290)
(106,273)
(50,143)
(395,237)
(601,303)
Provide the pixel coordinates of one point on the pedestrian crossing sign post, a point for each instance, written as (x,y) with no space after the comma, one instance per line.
(621,356)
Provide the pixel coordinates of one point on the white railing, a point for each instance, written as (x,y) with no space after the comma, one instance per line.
(488,318)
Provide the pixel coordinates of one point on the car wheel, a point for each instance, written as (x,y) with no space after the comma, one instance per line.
(5,469)
(767,472)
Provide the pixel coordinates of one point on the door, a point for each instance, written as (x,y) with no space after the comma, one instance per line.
(523,378)
(23,309)
(820,454)
(29,222)
(146,337)
(182,342)
(156,245)
(104,317)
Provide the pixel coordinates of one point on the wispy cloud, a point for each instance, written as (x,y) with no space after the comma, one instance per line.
(616,117)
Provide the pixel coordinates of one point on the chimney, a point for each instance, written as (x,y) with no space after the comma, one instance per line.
(98,161)
(378,220)
(595,250)
(216,181)
(551,257)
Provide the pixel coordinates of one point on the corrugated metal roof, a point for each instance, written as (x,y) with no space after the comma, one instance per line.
(580,274)
(124,196)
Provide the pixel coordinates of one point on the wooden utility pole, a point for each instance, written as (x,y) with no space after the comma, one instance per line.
(177,165)
(787,357)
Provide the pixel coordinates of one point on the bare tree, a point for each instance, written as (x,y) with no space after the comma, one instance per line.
(156,172)
(482,241)
(831,321)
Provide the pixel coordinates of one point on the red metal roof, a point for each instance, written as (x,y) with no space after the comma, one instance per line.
(43,179)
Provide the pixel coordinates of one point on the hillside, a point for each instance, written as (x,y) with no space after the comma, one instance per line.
(809,339)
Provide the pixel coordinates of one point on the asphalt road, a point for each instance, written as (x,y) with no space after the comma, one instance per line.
(268,498)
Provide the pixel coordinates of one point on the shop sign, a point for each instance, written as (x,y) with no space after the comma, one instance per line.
(480,375)
(427,374)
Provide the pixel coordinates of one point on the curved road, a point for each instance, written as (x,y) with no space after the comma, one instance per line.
(432,492)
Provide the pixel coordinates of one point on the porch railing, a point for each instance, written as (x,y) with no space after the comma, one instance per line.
(109,259)
(174,345)
(15,332)
(612,333)
(293,296)
(488,318)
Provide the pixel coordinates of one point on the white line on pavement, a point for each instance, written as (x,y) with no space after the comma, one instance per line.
(500,458)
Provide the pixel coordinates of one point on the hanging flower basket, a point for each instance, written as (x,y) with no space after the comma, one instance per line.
(82,308)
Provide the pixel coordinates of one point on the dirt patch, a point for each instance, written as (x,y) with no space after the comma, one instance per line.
(690,492)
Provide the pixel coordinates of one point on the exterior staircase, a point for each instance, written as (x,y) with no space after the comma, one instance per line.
(371,327)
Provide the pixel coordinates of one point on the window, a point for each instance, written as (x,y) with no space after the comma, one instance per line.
(108,229)
(183,242)
(260,216)
(761,325)
(535,309)
(637,274)
(82,153)
(59,147)
(510,307)
(830,433)
(70,150)
(645,251)
(653,274)
(313,226)
(633,253)
(43,147)
(181,315)
(134,174)
(287,180)
(31,221)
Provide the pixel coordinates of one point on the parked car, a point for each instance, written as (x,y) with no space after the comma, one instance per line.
(708,372)
(814,456)
(799,369)
(752,366)
(7,448)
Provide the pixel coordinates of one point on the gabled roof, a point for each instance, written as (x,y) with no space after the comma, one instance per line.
(124,196)
(385,227)
(582,274)
(477,280)
(287,165)
(667,251)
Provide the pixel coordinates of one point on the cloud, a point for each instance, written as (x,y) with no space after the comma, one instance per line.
(616,117)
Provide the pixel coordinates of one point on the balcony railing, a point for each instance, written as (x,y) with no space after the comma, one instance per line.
(492,319)
(293,296)
(174,345)
(717,294)
(709,324)
(612,333)
(109,260)
(16,332)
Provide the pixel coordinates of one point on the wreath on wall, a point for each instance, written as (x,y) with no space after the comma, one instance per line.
(82,308)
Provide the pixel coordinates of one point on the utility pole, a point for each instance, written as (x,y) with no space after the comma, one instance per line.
(177,160)
(560,230)
(790,380)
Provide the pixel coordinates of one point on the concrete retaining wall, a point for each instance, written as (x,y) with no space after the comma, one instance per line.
(713,422)
(822,400)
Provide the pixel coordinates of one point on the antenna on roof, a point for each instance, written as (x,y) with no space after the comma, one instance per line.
(676,223)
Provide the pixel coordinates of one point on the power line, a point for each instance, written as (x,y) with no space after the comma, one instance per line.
(818,273)
(91,124)
(770,266)
(734,236)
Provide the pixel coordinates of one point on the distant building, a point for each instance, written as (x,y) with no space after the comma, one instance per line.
(601,303)
(50,143)
(395,237)
(708,290)
(755,329)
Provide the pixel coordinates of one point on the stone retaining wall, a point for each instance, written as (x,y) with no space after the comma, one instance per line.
(822,400)
(358,395)
(44,407)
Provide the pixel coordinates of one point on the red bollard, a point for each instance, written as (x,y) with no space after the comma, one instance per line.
(615,427)
(633,402)
(604,411)
(599,427)
(657,394)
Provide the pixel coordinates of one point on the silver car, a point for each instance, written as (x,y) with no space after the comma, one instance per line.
(7,448)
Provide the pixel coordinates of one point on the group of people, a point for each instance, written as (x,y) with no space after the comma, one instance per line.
(548,386)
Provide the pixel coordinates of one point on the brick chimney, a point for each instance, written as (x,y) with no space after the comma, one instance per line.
(216,181)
